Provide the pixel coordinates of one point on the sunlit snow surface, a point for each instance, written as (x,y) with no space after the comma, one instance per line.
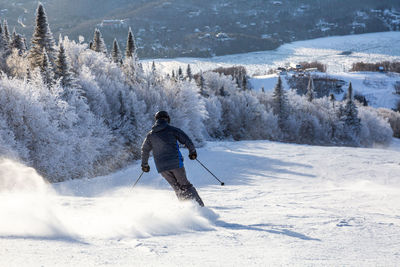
(283,204)
(371,47)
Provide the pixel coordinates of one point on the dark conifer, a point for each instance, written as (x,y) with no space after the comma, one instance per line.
(130,50)
(98,42)
(180,73)
(189,74)
(17,42)
(6,32)
(280,104)
(46,70)
(115,53)
(62,70)
(310,90)
(42,39)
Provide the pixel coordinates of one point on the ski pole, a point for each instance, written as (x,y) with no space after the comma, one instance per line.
(137,180)
(222,183)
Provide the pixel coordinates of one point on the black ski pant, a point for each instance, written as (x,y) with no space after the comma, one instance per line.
(184,190)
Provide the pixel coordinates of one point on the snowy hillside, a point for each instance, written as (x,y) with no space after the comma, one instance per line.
(372,47)
(283,204)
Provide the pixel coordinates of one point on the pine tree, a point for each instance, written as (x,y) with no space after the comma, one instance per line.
(6,32)
(2,41)
(180,73)
(17,42)
(130,50)
(310,90)
(115,53)
(62,70)
(280,103)
(244,83)
(98,42)
(202,85)
(332,99)
(189,74)
(42,39)
(153,67)
(350,116)
(46,70)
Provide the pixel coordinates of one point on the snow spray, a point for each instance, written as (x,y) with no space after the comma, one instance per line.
(31,208)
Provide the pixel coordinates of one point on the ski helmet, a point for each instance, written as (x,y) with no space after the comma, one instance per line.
(162,115)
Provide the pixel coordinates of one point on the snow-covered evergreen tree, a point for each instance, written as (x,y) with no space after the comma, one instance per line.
(189,74)
(17,42)
(280,103)
(310,90)
(350,116)
(98,42)
(130,51)
(115,53)
(180,73)
(42,39)
(46,70)
(62,70)
(4,44)
(6,32)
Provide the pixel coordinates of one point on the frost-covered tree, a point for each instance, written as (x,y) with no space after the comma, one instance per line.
(310,90)
(17,42)
(6,32)
(130,51)
(4,44)
(42,39)
(115,53)
(17,64)
(280,103)
(202,84)
(189,74)
(46,70)
(98,42)
(349,116)
(62,70)
(180,73)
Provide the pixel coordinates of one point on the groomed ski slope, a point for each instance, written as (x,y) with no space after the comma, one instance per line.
(283,204)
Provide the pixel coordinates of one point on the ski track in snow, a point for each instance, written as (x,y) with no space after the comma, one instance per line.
(283,204)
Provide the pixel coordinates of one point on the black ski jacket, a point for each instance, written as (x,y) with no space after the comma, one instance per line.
(163,140)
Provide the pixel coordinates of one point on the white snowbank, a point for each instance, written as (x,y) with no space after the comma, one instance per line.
(31,208)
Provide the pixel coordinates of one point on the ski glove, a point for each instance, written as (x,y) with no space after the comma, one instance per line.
(193,155)
(145,167)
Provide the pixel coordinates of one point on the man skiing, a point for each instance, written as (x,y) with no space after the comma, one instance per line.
(163,140)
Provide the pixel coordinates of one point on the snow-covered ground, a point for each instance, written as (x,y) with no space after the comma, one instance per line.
(371,47)
(283,204)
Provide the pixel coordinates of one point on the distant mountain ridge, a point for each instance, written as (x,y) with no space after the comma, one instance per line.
(215,27)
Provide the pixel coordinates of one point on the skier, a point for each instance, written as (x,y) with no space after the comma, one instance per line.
(163,140)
